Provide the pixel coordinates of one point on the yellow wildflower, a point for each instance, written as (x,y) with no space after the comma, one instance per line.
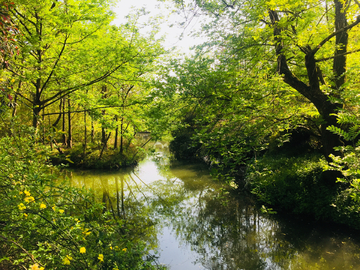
(124,249)
(86,232)
(21,192)
(27,193)
(36,267)
(101,257)
(25,215)
(67,259)
(11,175)
(21,206)
(29,199)
(82,250)
(53,208)
(42,206)
(61,211)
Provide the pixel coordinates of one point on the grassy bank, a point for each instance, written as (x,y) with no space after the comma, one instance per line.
(96,157)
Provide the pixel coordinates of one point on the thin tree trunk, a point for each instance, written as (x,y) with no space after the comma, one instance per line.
(69,139)
(116,133)
(92,131)
(85,135)
(122,136)
(14,106)
(104,146)
(63,123)
(43,129)
(103,138)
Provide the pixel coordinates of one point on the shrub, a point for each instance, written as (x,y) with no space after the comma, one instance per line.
(296,184)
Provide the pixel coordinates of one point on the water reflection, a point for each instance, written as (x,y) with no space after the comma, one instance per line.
(199,225)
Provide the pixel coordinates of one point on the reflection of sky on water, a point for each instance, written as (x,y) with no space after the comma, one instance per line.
(148,172)
(201,227)
(178,256)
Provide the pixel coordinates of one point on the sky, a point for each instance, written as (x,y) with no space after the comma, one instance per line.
(172,34)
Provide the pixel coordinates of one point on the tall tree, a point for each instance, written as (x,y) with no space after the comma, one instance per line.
(308,43)
(62,51)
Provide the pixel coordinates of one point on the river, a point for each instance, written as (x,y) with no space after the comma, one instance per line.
(202,225)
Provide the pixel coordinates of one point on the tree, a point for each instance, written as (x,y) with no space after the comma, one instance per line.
(306,42)
(62,51)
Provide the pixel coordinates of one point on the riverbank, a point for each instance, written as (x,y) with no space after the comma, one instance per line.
(302,185)
(293,178)
(97,157)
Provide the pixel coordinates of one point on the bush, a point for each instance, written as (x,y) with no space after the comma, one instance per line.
(296,184)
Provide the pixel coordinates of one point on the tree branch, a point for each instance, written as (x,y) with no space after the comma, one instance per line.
(335,33)
(332,57)
(55,64)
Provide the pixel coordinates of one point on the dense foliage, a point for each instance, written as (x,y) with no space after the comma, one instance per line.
(71,84)
(270,102)
(275,85)
(47,224)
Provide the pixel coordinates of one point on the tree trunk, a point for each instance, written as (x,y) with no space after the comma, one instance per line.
(312,90)
(85,135)
(341,42)
(14,106)
(104,146)
(116,133)
(103,138)
(92,131)
(69,139)
(63,123)
(122,136)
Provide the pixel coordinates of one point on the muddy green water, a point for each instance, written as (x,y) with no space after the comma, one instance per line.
(199,225)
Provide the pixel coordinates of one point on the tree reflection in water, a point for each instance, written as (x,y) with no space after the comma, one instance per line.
(225,231)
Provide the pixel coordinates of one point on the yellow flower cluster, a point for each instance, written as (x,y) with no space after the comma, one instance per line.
(116,248)
(82,250)
(101,257)
(86,232)
(67,260)
(36,267)
(42,206)
(29,199)
(21,206)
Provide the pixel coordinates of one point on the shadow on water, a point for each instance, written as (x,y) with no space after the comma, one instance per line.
(200,225)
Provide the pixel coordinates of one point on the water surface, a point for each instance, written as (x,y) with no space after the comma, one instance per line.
(201,225)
